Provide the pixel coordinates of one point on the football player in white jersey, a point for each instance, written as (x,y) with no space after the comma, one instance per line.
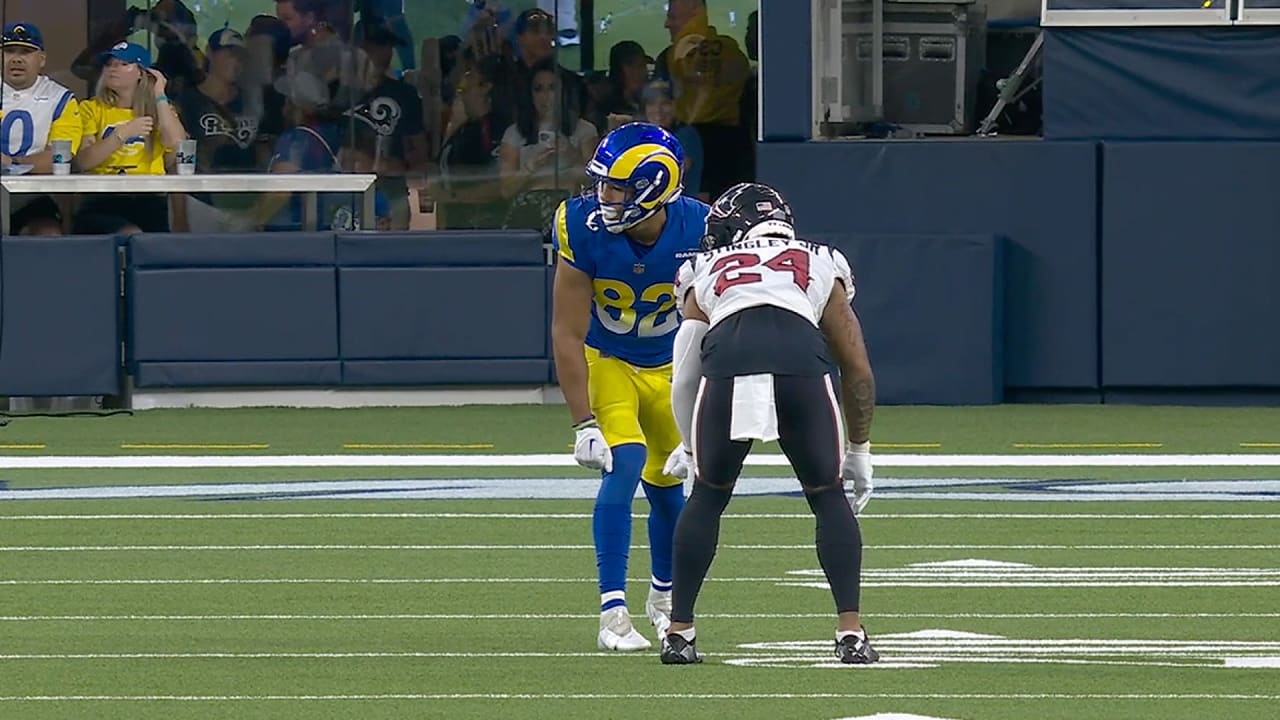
(34,110)
(765,313)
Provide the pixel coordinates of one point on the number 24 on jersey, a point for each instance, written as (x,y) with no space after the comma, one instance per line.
(733,269)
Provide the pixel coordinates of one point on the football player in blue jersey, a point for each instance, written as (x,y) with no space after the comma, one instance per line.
(613,323)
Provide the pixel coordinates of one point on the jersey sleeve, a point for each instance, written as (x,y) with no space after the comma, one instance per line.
(844,273)
(91,120)
(684,283)
(67,124)
(567,243)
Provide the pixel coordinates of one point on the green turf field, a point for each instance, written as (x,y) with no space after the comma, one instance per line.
(229,605)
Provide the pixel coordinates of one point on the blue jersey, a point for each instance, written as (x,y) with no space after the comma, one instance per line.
(634,309)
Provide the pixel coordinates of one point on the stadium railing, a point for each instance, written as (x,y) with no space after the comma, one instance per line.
(310,184)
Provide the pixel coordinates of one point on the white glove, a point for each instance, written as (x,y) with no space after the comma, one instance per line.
(857,467)
(589,447)
(679,463)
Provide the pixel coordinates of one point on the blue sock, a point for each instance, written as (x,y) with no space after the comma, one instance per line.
(665,504)
(611,523)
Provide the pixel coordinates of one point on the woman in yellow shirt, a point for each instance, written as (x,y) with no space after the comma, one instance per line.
(129,129)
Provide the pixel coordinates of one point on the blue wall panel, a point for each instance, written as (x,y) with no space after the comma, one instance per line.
(445,372)
(60,306)
(1040,197)
(1190,252)
(930,308)
(441,248)
(1162,83)
(786,66)
(243,314)
(400,313)
(237,310)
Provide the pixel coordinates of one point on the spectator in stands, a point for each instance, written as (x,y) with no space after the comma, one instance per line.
(549,145)
(475,129)
(544,154)
(388,124)
(629,67)
(129,128)
(310,145)
(215,112)
(468,178)
(391,14)
(385,133)
(218,117)
(172,29)
(304,18)
(659,109)
(34,111)
(325,52)
(708,72)
(266,54)
(535,44)
(450,49)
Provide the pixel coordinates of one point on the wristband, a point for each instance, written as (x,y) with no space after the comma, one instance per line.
(162,99)
(588,421)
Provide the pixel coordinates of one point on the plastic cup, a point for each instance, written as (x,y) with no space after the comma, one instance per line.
(61,156)
(187,157)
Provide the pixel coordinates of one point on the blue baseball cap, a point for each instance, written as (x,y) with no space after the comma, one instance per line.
(128,52)
(225,39)
(20,34)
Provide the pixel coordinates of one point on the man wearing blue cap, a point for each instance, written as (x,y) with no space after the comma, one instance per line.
(34,110)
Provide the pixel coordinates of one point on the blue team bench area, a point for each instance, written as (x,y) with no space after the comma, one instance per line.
(414,309)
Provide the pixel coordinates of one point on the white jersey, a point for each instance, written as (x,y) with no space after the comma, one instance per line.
(27,116)
(794,275)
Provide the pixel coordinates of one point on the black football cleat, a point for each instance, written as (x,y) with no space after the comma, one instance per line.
(856,650)
(678,651)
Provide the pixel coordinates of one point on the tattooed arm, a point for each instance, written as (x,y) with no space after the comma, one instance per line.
(857,385)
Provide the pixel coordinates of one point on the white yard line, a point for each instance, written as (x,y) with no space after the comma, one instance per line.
(62,462)
(574,547)
(852,695)
(593,616)
(634,516)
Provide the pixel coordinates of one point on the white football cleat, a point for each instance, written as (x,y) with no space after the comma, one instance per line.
(617,632)
(658,608)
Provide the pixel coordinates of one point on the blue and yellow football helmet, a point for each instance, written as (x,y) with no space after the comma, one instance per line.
(647,161)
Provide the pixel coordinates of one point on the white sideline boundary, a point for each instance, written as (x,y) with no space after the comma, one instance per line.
(1129,460)
(852,695)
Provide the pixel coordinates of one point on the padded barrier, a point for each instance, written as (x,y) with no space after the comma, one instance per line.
(931,312)
(61,319)
(257,309)
(1162,83)
(353,309)
(444,308)
(1041,197)
(1190,254)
